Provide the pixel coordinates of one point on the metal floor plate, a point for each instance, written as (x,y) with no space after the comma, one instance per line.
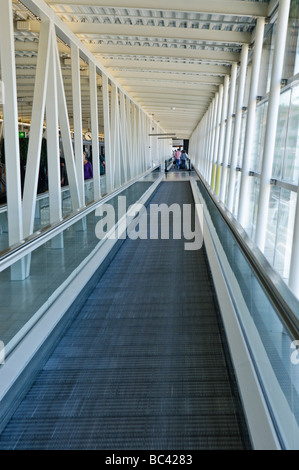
(144,365)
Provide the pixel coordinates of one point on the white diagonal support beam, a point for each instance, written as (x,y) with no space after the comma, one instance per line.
(109,168)
(54,176)
(219,7)
(36,130)
(77,121)
(66,136)
(94,132)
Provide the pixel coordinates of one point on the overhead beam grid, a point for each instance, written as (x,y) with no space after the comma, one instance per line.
(160,51)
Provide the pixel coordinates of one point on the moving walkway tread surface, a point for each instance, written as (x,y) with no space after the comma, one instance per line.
(144,365)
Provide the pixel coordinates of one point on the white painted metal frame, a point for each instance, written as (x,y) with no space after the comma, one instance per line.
(222,133)
(271,123)
(217,134)
(237,128)
(49,82)
(77,121)
(250,123)
(94,130)
(228,133)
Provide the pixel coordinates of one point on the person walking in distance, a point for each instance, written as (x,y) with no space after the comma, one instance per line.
(177,157)
(184,158)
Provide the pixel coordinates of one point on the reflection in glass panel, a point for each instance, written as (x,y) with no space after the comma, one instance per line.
(256,193)
(253,194)
(242,139)
(272,223)
(236,193)
(269,44)
(284,235)
(255,143)
(291,59)
(259,137)
(264,76)
(231,141)
(281,134)
(291,161)
(227,185)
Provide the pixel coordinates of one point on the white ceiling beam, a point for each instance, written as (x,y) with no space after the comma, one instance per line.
(124,77)
(174,100)
(32,46)
(45,12)
(165,66)
(23,72)
(101,29)
(67,81)
(219,7)
(178,106)
(139,95)
(31,61)
(137,85)
(179,53)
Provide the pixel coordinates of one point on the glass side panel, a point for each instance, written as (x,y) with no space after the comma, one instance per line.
(271,346)
(281,134)
(291,161)
(51,265)
(284,234)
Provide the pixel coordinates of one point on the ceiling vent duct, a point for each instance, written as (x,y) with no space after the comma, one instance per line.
(23,26)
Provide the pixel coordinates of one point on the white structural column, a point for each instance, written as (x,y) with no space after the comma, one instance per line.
(11,141)
(222,132)
(38,111)
(109,170)
(250,123)
(123,138)
(228,133)
(77,121)
(294,267)
(141,139)
(115,135)
(271,123)
(237,129)
(210,140)
(53,161)
(217,133)
(212,145)
(207,146)
(94,130)
(10,113)
(134,141)
(129,138)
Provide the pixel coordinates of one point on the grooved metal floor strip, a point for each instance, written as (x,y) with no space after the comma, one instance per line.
(144,365)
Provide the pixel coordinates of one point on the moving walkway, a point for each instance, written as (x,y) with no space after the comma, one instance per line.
(148,345)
